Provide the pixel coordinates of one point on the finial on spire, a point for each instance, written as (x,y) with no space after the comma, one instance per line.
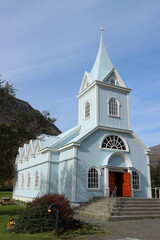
(102,29)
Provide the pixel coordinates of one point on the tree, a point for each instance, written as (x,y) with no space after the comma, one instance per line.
(46,115)
(155,176)
(7,153)
(6,88)
(18,124)
(25,126)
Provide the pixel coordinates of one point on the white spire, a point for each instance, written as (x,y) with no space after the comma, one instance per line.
(102,65)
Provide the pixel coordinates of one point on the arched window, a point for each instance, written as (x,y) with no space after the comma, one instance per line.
(22,181)
(87,110)
(113,107)
(93,178)
(135,180)
(36,183)
(113,142)
(28,180)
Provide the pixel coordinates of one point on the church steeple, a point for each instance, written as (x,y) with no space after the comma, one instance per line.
(102,65)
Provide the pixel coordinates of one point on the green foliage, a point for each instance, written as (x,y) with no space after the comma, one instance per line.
(36,218)
(8,212)
(5,194)
(65,209)
(19,123)
(155,176)
(8,151)
(6,89)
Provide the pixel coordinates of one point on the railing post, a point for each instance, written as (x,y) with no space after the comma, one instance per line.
(155,192)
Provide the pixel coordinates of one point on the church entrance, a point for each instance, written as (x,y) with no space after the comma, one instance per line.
(120,180)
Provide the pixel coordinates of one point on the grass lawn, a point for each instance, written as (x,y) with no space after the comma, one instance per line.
(5,194)
(13,210)
(8,212)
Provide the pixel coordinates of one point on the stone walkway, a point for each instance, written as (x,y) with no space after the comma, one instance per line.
(145,229)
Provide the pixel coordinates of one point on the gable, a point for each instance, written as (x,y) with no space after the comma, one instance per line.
(86,81)
(114,78)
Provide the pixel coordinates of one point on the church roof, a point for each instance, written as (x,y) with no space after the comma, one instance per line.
(102,65)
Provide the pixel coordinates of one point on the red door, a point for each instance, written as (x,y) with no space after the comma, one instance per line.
(126,185)
(112,181)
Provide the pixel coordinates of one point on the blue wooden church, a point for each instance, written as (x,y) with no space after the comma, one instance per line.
(98,156)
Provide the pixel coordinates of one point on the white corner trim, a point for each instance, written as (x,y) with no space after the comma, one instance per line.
(74,174)
(70,145)
(97,109)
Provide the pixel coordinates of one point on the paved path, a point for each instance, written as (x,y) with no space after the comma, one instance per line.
(145,229)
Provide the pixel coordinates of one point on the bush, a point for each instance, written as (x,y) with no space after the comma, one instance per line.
(36,218)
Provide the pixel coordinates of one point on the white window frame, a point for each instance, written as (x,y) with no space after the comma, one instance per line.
(113,110)
(98,179)
(28,180)
(136,182)
(22,180)
(115,138)
(36,180)
(87,110)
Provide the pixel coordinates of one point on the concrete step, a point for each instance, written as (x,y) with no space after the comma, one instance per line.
(134,213)
(138,201)
(91,214)
(133,217)
(120,208)
(136,208)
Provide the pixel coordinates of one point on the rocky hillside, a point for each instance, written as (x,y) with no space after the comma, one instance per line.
(155,157)
(19,123)
(12,108)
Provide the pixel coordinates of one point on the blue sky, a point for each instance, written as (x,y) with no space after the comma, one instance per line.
(46,45)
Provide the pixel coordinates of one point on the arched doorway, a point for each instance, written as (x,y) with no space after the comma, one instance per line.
(119,176)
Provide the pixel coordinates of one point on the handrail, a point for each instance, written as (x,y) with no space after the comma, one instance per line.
(113,194)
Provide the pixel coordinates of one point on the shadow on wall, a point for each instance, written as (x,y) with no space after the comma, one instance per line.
(83,193)
(144,187)
(65,179)
(43,185)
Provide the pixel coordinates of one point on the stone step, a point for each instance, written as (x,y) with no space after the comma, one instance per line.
(120,208)
(124,199)
(136,208)
(93,211)
(135,205)
(136,200)
(134,213)
(133,217)
(91,214)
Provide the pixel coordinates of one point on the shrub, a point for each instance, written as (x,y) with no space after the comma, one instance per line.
(36,218)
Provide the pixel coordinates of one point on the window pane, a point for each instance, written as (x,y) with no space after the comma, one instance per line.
(135,180)
(87,110)
(113,107)
(93,178)
(113,142)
